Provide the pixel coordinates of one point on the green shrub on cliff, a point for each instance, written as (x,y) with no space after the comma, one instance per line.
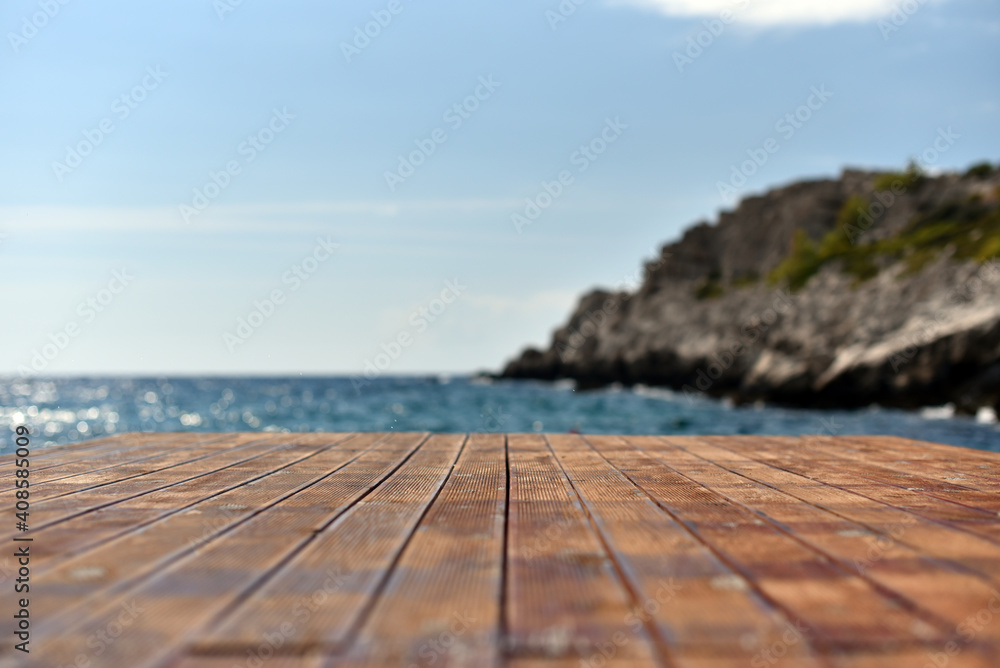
(800,265)
(854,218)
(711,287)
(708,289)
(969,230)
(745,280)
(908,180)
(979,171)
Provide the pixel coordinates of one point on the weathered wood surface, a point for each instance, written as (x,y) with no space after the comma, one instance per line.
(400,549)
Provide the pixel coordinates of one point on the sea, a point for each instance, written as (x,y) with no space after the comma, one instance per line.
(65,410)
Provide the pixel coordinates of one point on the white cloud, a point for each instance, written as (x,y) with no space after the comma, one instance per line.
(264,217)
(775,12)
(546,301)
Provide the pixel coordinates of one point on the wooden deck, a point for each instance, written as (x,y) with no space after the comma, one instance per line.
(414,550)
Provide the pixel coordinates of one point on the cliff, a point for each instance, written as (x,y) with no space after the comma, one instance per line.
(870,288)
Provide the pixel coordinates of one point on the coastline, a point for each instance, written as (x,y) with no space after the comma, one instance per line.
(784,300)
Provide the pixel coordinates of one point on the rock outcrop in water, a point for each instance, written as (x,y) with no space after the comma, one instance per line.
(871,288)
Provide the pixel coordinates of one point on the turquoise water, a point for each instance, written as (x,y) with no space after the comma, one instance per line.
(67,410)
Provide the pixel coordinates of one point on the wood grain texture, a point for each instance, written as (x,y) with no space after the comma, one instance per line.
(519,550)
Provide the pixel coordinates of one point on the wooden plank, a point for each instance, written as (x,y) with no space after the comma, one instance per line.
(68,452)
(564,597)
(932,657)
(710,609)
(117,565)
(52,511)
(443,599)
(852,477)
(143,466)
(908,456)
(552,662)
(87,531)
(931,538)
(190,593)
(950,453)
(69,585)
(894,569)
(110,463)
(257,654)
(837,606)
(856,460)
(318,598)
(61,456)
(356,550)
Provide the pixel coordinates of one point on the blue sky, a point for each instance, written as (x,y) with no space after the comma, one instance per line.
(162,97)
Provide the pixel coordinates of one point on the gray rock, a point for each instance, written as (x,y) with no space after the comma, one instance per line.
(900,338)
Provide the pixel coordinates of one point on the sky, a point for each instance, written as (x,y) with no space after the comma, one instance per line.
(249,187)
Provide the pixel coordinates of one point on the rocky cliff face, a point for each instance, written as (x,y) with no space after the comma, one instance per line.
(871,288)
